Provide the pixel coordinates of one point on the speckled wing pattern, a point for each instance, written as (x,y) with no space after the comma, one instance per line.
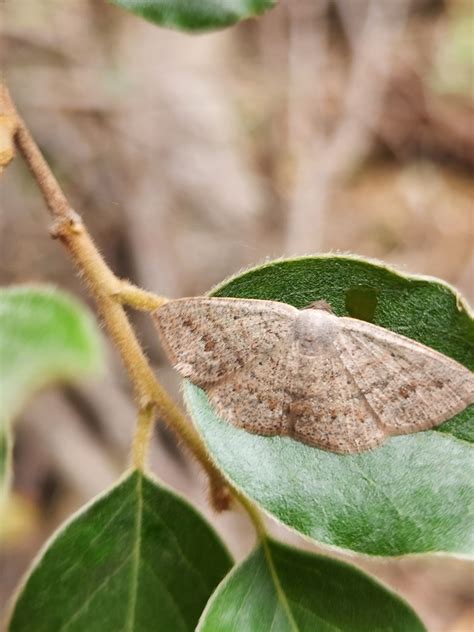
(210,339)
(335,383)
(328,410)
(259,397)
(409,386)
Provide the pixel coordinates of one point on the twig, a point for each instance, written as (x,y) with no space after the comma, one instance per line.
(139,299)
(7,150)
(108,292)
(141,440)
(8,125)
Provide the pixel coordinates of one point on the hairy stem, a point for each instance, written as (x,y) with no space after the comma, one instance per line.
(253,513)
(109,292)
(135,297)
(141,440)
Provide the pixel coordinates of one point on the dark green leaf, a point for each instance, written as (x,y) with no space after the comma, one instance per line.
(138,558)
(280,588)
(409,496)
(195,15)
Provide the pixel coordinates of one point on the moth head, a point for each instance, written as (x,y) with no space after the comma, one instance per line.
(321,304)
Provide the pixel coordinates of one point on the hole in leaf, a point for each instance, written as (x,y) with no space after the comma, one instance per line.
(361,303)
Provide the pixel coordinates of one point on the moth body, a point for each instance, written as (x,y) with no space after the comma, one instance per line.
(315,330)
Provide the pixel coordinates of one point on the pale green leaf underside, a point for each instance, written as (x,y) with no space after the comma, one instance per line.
(45,336)
(413,494)
(137,559)
(286,590)
(5,464)
(195,15)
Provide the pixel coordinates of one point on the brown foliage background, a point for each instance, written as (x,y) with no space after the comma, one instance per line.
(327,125)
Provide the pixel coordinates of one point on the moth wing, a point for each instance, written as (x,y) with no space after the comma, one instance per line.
(409,386)
(256,398)
(327,408)
(209,339)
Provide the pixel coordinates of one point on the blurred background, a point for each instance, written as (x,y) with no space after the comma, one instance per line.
(326,125)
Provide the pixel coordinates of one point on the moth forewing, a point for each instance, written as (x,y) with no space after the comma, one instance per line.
(209,339)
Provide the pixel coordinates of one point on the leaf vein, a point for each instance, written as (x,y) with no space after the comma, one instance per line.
(85,604)
(167,592)
(135,556)
(187,562)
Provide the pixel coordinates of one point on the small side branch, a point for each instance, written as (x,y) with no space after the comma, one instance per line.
(139,299)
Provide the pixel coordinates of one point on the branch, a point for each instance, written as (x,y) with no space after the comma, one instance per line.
(109,293)
(7,128)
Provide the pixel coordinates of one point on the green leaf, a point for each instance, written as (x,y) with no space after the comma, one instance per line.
(45,336)
(5,464)
(195,15)
(138,558)
(413,494)
(3,448)
(281,588)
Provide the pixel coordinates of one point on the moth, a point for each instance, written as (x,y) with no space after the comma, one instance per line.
(336,383)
